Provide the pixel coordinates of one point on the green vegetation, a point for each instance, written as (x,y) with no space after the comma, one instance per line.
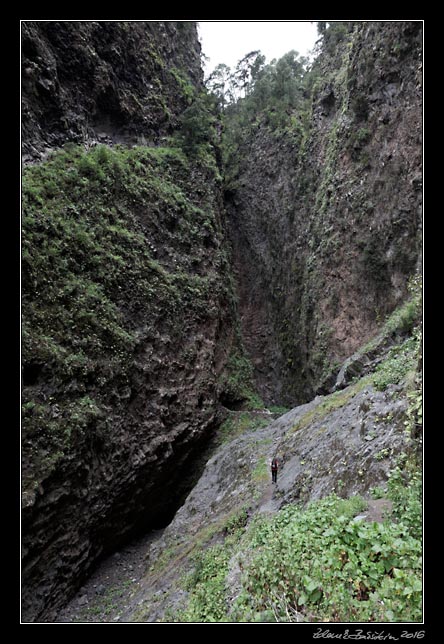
(185,85)
(332,33)
(406,317)
(401,364)
(197,130)
(255,86)
(331,403)
(115,247)
(239,422)
(316,564)
(256,95)
(405,491)
(237,382)
(92,224)
(260,473)
(402,360)
(236,522)
(207,582)
(323,565)
(378,492)
(106,604)
(278,410)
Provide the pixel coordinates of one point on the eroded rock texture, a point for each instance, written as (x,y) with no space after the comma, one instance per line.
(125,303)
(117,82)
(129,318)
(326,227)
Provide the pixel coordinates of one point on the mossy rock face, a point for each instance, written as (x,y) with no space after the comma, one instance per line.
(134,330)
(106,82)
(124,295)
(326,226)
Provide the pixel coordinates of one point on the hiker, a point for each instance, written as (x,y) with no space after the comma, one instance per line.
(274,469)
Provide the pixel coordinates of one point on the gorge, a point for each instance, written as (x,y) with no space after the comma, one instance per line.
(186,265)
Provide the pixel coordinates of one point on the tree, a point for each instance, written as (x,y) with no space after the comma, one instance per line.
(289,72)
(229,86)
(220,83)
(197,124)
(332,33)
(247,71)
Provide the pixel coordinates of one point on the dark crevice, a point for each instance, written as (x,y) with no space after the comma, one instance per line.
(31,373)
(153,509)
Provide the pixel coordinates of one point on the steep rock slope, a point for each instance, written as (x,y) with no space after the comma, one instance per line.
(104,81)
(325,214)
(127,287)
(346,443)
(126,308)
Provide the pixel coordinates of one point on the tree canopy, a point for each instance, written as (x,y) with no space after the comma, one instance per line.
(257,83)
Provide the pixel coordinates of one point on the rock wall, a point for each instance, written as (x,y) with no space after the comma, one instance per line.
(128,311)
(326,229)
(126,308)
(119,82)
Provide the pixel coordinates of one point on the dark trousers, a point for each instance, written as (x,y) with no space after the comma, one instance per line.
(274,475)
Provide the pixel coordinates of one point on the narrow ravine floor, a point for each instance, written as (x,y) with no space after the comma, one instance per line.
(113,590)
(346,438)
(108,592)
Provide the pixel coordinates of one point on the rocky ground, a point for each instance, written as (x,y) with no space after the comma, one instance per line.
(108,592)
(345,442)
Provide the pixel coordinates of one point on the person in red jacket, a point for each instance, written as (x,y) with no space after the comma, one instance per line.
(274,469)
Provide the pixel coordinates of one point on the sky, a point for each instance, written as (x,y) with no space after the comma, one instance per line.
(229,41)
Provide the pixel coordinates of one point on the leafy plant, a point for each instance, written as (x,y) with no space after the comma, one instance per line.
(324,565)
(316,563)
(236,522)
(207,583)
(378,492)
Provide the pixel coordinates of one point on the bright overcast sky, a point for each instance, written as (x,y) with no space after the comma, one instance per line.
(228,41)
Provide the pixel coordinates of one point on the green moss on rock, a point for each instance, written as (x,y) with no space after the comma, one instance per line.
(113,240)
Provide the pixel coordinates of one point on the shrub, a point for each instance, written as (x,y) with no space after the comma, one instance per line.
(237,383)
(405,317)
(207,583)
(197,125)
(400,361)
(323,565)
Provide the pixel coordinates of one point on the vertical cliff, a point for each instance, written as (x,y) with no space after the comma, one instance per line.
(112,82)
(325,210)
(134,243)
(126,300)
